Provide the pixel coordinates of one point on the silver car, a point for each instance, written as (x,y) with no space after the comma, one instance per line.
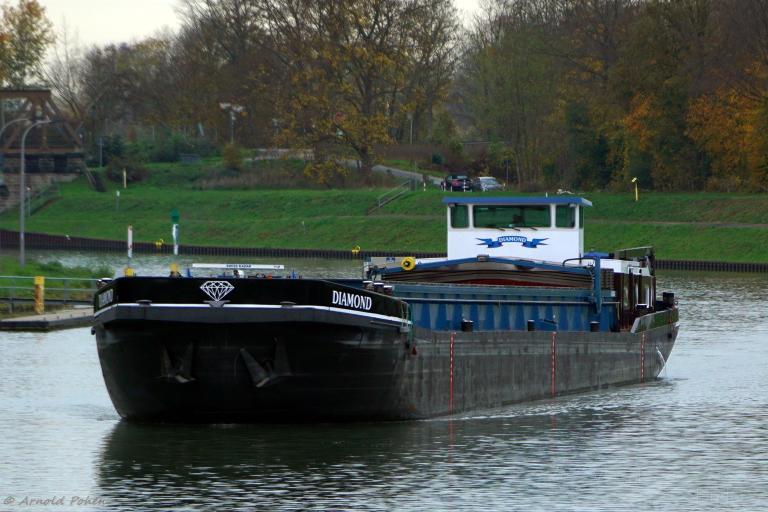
(486,183)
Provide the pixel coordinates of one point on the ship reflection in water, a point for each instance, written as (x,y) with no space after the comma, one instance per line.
(406,465)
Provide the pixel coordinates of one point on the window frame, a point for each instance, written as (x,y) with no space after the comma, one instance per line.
(514,225)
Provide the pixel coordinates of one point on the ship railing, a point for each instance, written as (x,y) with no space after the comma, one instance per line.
(597,286)
(237,269)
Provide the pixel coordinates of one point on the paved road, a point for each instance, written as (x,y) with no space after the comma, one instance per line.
(397,173)
(271,154)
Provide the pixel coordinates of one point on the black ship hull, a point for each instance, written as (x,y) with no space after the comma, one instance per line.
(306,350)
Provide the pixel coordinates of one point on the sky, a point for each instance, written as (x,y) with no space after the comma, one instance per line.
(99,22)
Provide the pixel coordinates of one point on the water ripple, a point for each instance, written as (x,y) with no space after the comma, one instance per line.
(692,441)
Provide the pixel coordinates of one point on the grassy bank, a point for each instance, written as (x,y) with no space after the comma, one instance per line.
(9,266)
(724,227)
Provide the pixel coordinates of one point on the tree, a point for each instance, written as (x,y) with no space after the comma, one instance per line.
(510,82)
(64,73)
(25,33)
(225,54)
(350,70)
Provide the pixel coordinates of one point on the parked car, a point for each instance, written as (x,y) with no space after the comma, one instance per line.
(457,183)
(486,183)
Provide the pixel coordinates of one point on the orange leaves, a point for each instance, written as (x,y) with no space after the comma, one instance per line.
(642,120)
(325,172)
(731,129)
(353,60)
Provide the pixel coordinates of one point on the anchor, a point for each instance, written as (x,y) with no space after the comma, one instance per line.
(261,374)
(180,372)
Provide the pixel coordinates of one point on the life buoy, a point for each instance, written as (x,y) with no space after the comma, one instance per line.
(408,263)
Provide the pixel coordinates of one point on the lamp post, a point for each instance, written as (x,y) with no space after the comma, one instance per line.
(2,130)
(637,193)
(233,111)
(6,125)
(9,123)
(22,187)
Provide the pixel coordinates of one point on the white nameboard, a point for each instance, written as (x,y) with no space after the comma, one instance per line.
(238,266)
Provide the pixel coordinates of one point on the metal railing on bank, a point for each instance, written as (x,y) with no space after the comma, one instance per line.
(18,292)
(389,196)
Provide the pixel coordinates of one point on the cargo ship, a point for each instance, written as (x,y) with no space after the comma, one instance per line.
(516,311)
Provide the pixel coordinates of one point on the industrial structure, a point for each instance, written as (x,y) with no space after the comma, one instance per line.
(52,148)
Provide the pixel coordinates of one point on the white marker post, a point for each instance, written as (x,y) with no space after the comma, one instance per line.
(128,269)
(130,243)
(175,217)
(175,234)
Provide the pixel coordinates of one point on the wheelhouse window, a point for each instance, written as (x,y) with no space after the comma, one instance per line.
(459,216)
(565,216)
(528,216)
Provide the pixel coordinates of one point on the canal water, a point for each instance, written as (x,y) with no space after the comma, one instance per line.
(693,440)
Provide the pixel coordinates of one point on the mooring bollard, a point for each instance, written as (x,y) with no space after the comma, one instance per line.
(39,295)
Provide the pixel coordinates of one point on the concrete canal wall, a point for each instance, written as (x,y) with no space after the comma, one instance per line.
(58,242)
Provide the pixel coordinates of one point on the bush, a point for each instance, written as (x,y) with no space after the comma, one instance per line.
(232,155)
(111,147)
(456,157)
(135,171)
(287,174)
(167,148)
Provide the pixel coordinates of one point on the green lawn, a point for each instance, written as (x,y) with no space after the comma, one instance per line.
(337,219)
(10,267)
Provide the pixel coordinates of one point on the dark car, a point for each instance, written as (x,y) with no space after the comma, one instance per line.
(458,183)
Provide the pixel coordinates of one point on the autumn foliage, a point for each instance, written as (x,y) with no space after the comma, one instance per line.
(25,33)
(574,94)
(592,93)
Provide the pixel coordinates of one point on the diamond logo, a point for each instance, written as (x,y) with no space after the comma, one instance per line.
(216,290)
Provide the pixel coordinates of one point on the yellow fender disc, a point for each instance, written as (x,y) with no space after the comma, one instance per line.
(408,263)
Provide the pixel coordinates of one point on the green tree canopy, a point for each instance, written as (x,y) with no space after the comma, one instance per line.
(25,34)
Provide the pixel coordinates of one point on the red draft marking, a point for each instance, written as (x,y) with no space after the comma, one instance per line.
(450,396)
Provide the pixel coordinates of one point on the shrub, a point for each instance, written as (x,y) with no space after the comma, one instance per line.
(167,147)
(112,146)
(232,155)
